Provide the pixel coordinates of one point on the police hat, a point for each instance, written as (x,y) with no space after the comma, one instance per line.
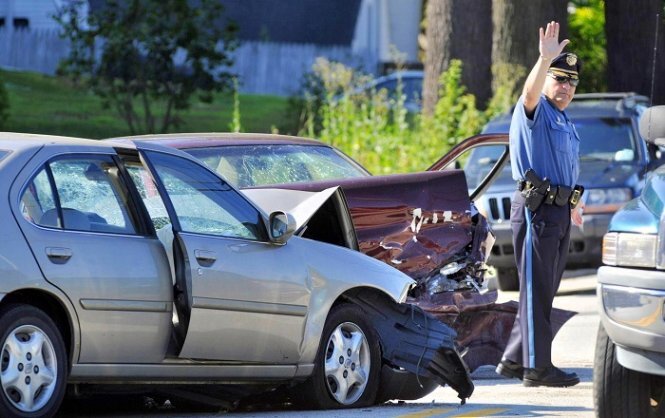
(567,64)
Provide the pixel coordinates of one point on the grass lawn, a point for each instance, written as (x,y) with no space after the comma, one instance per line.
(52,105)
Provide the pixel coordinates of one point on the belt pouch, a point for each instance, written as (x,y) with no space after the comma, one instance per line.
(562,196)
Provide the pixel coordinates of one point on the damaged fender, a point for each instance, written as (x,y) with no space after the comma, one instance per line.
(417,342)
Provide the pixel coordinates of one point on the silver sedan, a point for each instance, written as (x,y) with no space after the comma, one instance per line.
(132,264)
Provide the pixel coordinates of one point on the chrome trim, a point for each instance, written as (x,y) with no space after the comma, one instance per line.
(640,309)
(124,305)
(637,278)
(246,306)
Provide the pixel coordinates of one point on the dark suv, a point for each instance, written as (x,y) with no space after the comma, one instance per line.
(613,162)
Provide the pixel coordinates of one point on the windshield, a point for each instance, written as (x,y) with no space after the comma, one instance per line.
(609,139)
(255,165)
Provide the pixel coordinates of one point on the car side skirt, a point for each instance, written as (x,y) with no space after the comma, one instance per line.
(186,372)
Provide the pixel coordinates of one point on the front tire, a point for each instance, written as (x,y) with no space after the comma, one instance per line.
(348,364)
(619,392)
(33,364)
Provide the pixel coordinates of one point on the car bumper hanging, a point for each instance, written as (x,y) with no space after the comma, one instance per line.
(417,342)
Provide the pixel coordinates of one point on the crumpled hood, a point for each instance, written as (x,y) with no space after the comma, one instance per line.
(416,222)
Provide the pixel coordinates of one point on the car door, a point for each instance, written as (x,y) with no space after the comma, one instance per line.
(239,297)
(480,171)
(78,218)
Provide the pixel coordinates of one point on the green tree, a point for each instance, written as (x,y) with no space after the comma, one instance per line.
(127,54)
(587,36)
(4,105)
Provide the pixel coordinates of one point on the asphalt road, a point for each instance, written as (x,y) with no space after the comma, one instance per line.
(494,395)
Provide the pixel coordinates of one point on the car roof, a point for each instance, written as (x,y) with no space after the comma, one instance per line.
(17,141)
(202,140)
(606,104)
(587,105)
(402,74)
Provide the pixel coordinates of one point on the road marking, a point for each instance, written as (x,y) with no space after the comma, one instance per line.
(479,413)
(427,413)
(482,412)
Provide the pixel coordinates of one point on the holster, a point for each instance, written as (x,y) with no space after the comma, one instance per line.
(536,191)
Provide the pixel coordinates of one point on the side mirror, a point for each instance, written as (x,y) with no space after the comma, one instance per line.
(624,155)
(282,227)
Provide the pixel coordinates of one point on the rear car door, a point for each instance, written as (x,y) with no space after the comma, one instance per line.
(78,218)
(239,296)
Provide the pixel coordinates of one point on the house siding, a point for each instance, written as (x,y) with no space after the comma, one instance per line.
(38,12)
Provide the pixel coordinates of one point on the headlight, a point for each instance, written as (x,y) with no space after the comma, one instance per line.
(624,249)
(608,196)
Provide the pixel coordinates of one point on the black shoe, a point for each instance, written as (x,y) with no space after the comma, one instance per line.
(510,369)
(549,376)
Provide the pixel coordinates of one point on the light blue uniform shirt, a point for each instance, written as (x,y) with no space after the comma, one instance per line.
(548,144)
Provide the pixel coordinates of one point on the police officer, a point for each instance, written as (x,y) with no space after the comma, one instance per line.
(544,150)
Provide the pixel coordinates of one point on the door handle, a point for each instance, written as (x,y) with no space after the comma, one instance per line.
(59,255)
(205,257)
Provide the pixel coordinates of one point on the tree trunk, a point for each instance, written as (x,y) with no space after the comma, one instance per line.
(516,23)
(458,29)
(437,53)
(472,30)
(630,28)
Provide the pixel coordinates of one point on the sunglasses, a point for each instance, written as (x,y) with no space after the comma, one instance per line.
(563,79)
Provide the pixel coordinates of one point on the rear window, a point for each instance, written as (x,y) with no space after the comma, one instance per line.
(3,154)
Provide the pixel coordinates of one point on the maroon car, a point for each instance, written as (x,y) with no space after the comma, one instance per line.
(424,224)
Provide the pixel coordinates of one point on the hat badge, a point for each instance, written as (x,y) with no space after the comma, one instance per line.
(571,59)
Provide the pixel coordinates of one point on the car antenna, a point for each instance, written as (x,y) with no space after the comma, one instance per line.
(653,71)
(653,64)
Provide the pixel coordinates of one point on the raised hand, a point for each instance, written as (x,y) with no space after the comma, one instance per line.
(549,41)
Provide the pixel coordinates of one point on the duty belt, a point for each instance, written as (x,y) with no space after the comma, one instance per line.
(556,195)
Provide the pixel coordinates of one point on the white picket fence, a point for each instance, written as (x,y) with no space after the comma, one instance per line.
(262,67)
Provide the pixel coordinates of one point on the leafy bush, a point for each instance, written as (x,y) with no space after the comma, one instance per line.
(378,131)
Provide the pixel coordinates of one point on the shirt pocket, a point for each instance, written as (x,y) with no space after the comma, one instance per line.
(560,137)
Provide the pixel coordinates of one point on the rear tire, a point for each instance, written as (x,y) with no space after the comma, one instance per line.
(33,366)
(507,278)
(619,392)
(348,364)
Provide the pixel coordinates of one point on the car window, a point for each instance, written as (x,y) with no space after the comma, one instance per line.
(253,165)
(37,199)
(3,154)
(88,196)
(480,161)
(204,203)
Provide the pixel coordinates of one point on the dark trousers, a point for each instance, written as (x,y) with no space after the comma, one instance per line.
(540,240)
